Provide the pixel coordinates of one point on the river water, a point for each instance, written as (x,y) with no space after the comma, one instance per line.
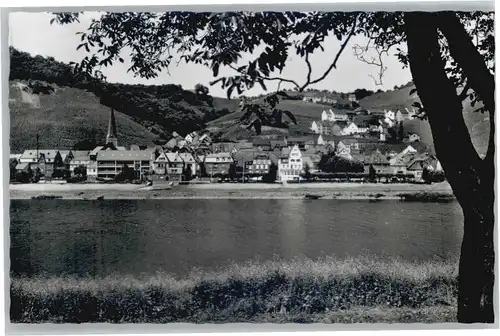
(137,237)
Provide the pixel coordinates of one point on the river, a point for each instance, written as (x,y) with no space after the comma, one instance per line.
(138,237)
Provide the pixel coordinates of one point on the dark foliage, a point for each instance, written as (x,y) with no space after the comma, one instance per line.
(331,163)
(187,173)
(127,174)
(232,171)
(362,93)
(272,175)
(161,108)
(81,172)
(372,174)
(87,144)
(203,170)
(433,176)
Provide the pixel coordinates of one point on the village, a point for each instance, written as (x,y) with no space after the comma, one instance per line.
(339,148)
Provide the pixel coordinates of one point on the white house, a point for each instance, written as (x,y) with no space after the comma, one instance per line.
(414,138)
(160,164)
(381,132)
(290,165)
(92,170)
(110,163)
(314,127)
(326,140)
(190,137)
(350,129)
(352,97)
(205,139)
(343,150)
(399,116)
(190,161)
(390,118)
(80,158)
(329,115)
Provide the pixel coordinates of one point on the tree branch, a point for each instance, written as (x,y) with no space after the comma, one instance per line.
(463,94)
(334,64)
(309,67)
(358,52)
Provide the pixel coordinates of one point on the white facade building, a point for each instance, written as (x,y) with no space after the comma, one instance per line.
(290,165)
(329,115)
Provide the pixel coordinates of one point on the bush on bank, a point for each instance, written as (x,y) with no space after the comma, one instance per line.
(305,291)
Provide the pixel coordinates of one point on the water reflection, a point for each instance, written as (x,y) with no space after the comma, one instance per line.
(148,236)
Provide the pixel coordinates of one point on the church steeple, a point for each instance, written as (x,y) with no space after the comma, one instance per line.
(112,137)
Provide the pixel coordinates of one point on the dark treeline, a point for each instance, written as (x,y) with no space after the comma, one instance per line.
(161,108)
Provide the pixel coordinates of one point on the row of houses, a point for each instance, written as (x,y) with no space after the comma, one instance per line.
(290,157)
(196,155)
(342,122)
(291,160)
(315,98)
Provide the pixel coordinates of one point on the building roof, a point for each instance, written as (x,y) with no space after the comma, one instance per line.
(22,166)
(124,155)
(402,159)
(173,157)
(285,152)
(358,157)
(376,158)
(336,112)
(96,150)
(65,153)
(243,156)
(112,133)
(278,143)
(214,156)
(302,139)
(15,156)
(80,152)
(187,157)
(81,158)
(261,142)
(328,137)
(49,154)
(171,143)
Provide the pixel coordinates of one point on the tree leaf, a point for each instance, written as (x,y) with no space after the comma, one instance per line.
(215,69)
(261,82)
(230,91)
(291,116)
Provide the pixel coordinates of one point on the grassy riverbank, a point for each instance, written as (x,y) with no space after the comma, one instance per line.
(229,190)
(301,291)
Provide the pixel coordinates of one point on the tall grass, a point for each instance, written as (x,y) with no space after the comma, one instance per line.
(326,290)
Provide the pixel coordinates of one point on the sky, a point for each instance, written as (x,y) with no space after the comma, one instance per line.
(33,33)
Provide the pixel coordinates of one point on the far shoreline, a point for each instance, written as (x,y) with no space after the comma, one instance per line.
(341,191)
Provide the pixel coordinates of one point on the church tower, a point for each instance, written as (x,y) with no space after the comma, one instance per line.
(112,137)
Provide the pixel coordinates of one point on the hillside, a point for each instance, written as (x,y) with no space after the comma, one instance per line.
(64,118)
(149,111)
(477,123)
(162,109)
(400,98)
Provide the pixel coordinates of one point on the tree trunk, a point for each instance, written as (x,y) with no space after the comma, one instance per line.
(471,178)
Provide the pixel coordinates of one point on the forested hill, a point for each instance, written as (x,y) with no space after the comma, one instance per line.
(162,109)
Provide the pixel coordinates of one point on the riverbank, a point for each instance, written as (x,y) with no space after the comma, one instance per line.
(362,290)
(228,191)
